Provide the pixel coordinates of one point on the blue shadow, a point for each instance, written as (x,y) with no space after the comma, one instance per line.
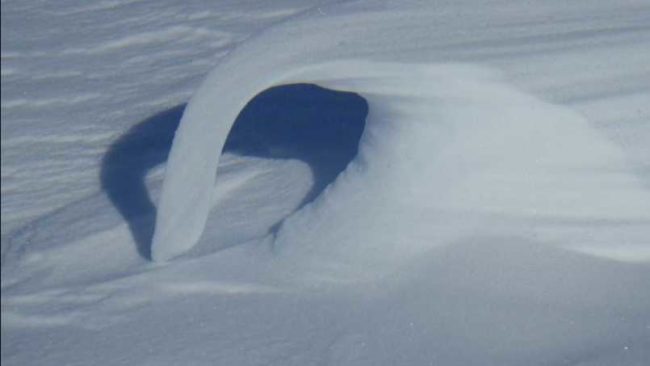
(300,121)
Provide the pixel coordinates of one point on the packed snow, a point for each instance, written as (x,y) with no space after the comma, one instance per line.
(354,183)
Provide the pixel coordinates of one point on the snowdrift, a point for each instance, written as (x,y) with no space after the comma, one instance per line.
(494,210)
(449,151)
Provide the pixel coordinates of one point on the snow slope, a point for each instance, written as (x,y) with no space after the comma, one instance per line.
(497,211)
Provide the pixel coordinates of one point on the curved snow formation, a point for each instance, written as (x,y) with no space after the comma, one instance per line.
(450,150)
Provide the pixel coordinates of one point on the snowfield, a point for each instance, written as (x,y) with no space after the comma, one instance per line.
(354,183)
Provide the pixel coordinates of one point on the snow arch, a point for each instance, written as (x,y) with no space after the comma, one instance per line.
(448,144)
(185,201)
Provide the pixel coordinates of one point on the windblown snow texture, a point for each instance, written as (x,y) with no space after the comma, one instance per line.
(367,182)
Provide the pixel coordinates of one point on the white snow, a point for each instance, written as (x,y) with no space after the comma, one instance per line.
(497,211)
(440,142)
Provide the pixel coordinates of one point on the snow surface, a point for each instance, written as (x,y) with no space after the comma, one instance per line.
(482,197)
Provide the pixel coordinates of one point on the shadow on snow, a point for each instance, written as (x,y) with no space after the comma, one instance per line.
(321,127)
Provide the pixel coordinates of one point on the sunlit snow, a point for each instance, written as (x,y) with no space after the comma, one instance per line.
(293,182)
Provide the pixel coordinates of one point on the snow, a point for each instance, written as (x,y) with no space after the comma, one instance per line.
(471,187)
(443,141)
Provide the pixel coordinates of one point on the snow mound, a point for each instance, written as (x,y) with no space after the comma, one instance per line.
(449,151)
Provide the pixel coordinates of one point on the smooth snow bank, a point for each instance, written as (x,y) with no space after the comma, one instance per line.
(449,151)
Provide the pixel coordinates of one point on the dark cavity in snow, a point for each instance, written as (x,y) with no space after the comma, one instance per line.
(318,126)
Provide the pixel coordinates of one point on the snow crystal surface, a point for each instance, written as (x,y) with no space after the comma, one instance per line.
(354,183)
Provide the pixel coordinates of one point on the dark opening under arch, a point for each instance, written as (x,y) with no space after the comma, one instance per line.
(319,126)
